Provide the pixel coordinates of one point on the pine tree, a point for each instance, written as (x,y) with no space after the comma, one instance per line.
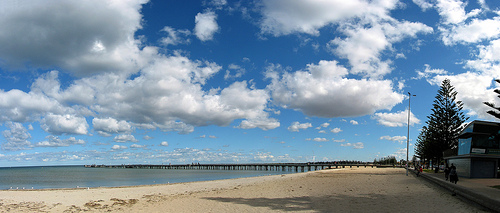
(444,124)
(496,111)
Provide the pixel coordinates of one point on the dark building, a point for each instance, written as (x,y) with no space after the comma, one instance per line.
(478,150)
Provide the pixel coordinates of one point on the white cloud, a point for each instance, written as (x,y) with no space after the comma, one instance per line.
(164,143)
(82,37)
(429,72)
(364,46)
(16,138)
(324,125)
(60,124)
(108,126)
(339,141)
(323,91)
(175,37)
(118,147)
(296,126)
(472,89)
(54,141)
(358,145)
(167,94)
(236,69)
(397,119)
(424,4)
(18,106)
(137,146)
(320,139)
(475,31)
(336,130)
(364,43)
(353,122)
(283,17)
(393,138)
(453,11)
(206,25)
(125,138)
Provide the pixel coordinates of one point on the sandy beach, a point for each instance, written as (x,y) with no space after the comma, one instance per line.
(336,190)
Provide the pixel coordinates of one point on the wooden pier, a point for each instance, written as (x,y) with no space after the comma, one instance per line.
(288,167)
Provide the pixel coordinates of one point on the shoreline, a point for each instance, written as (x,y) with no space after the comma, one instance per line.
(143,185)
(356,189)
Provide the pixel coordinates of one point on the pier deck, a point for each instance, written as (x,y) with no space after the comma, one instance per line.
(289,167)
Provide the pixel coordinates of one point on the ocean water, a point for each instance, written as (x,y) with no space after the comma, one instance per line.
(56,177)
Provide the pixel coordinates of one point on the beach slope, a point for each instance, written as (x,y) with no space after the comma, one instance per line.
(335,190)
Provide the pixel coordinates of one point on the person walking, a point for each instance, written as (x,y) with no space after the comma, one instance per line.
(453,174)
(446,172)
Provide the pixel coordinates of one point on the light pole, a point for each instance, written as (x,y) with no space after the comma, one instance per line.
(408,135)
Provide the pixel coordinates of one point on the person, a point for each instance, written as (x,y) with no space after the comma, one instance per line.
(419,169)
(446,172)
(453,174)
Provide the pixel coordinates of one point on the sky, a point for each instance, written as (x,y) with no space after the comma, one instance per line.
(222,81)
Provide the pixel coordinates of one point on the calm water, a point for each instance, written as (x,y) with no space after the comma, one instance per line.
(79,176)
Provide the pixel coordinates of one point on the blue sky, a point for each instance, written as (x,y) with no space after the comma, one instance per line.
(136,81)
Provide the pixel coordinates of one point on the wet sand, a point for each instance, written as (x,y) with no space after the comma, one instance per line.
(336,190)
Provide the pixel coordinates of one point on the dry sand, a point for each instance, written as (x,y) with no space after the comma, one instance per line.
(339,190)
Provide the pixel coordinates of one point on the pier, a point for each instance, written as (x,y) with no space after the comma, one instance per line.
(288,167)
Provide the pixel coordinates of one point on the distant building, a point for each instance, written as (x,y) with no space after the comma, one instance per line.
(478,150)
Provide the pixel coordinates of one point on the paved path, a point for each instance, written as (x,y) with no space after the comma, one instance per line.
(478,190)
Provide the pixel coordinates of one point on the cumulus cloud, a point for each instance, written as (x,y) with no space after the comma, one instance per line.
(364,46)
(167,94)
(108,126)
(60,124)
(175,37)
(364,43)
(424,4)
(353,122)
(17,138)
(125,138)
(206,25)
(320,139)
(393,138)
(19,106)
(428,72)
(65,34)
(54,141)
(164,143)
(322,90)
(358,145)
(336,130)
(472,89)
(296,126)
(137,146)
(118,147)
(284,17)
(397,119)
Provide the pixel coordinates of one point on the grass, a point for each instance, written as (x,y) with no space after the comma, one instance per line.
(496,187)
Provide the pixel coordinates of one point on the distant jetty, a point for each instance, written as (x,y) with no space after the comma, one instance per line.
(289,167)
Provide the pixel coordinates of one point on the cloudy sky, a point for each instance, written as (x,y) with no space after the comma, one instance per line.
(220,81)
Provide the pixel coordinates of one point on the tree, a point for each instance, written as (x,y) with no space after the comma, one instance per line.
(443,125)
(496,111)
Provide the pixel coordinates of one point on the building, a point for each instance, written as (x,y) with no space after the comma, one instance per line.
(478,150)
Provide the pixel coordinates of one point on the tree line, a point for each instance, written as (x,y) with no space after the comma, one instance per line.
(444,125)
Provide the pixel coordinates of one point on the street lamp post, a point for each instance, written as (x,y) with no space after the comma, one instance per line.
(408,135)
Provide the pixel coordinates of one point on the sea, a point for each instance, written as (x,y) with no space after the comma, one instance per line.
(57,177)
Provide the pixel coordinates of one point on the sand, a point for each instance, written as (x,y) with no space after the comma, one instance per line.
(335,190)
